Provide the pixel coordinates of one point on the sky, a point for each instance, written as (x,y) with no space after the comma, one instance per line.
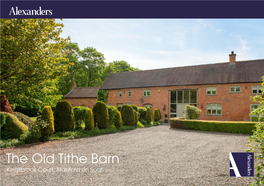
(164,43)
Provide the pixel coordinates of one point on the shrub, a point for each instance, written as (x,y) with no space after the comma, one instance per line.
(112,112)
(191,112)
(149,115)
(214,126)
(135,107)
(3,119)
(24,119)
(142,113)
(118,119)
(136,117)
(79,116)
(31,111)
(36,132)
(12,127)
(10,142)
(47,116)
(157,115)
(101,116)
(89,119)
(63,116)
(140,125)
(128,115)
(119,108)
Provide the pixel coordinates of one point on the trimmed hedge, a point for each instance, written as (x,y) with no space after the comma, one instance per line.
(47,116)
(127,114)
(214,126)
(157,115)
(31,111)
(101,116)
(135,107)
(11,127)
(119,108)
(149,115)
(118,119)
(112,112)
(24,119)
(79,116)
(136,117)
(89,119)
(142,113)
(63,117)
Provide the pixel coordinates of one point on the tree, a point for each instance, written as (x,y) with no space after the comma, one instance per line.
(117,66)
(90,68)
(256,141)
(31,54)
(73,55)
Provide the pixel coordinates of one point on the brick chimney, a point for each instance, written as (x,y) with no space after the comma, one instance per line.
(232,58)
(73,84)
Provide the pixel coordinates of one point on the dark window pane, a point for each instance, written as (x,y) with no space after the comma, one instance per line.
(193,96)
(259,91)
(237,89)
(173,108)
(255,91)
(186,96)
(179,99)
(213,111)
(208,111)
(173,115)
(208,92)
(173,96)
(213,92)
(219,112)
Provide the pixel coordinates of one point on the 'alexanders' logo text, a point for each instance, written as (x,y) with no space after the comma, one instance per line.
(16,11)
(241,164)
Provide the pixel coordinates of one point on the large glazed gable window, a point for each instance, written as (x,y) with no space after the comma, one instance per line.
(146,93)
(256,89)
(214,109)
(235,89)
(210,90)
(120,94)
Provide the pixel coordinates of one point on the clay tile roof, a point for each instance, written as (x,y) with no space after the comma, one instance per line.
(219,73)
(84,92)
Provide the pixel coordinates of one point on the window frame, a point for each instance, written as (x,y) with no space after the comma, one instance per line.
(146,91)
(259,88)
(235,91)
(211,91)
(128,93)
(251,116)
(119,104)
(216,105)
(120,94)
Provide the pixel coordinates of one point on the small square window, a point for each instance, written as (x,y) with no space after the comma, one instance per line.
(257,89)
(146,93)
(211,91)
(235,89)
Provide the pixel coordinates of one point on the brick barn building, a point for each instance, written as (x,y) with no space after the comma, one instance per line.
(84,96)
(222,90)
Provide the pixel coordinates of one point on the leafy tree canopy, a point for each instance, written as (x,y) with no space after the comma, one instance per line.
(31,54)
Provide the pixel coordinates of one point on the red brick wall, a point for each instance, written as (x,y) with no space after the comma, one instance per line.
(235,106)
(86,102)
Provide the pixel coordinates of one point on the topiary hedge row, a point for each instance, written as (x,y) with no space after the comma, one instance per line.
(127,114)
(79,116)
(157,115)
(47,116)
(142,113)
(136,117)
(101,116)
(63,117)
(89,119)
(118,119)
(11,127)
(112,112)
(149,115)
(214,126)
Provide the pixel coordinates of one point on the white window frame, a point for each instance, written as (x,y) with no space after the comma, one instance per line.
(211,108)
(258,88)
(211,89)
(128,103)
(146,93)
(119,104)
(130,93)
(108,104)
(235,89)
(120,94)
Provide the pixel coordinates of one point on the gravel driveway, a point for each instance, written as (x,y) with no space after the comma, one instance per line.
(149,156)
